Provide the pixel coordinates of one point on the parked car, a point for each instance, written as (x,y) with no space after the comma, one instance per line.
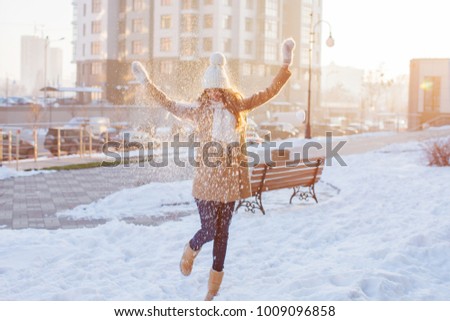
(253,126)
(26,148)
(253,139)
(350,130)
(362,128)
(133,138)
(47,102)
(96,125)
(19,101)
(280,130)
(70,140)
(321,129)
(67,101)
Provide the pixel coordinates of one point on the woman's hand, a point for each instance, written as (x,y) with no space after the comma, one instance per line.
(288,51)
(140,73)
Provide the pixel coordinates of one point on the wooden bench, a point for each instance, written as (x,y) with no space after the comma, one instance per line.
(295,174)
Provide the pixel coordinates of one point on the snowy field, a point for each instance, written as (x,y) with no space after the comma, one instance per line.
(384,236)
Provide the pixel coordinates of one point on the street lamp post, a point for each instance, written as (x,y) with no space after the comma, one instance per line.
(330,43)
(47,42)
(45,75)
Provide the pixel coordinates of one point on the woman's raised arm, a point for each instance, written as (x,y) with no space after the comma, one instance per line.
(280,79)
(181,110)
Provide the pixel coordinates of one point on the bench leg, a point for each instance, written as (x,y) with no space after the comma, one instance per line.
(296,190)
(303,195)
(260,204)
(251,206)
(239,204)
(313,193)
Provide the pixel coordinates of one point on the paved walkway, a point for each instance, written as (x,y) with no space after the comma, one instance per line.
(33,201)
(360,144)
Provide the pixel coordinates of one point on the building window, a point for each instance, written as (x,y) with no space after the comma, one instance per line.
(138,25)
(123,5)
(166,67)
(432,94)
(86,69)
(166,22)
(189,23)
(84,10)
(84,29)
(96,68)
(138,5)
(166,2)
(208,21)
(227,45)
(207,44)
(136,47)
(228,3)
(188,46)
(270,52)
(249,4)
(122,49)
(208,2)
(248,24)
(271,8)
(248,47)
(271,29)
(96,48)
(227,22)
(96,26)
(84,50)
(166,44)
(189,4)
(122,27)
(96,6)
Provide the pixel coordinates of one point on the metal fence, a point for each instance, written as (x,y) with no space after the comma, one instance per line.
(20,142)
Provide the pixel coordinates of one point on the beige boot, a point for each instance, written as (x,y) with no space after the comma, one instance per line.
(187,260)
(215,279)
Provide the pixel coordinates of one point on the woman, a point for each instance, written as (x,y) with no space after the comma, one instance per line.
(220,115)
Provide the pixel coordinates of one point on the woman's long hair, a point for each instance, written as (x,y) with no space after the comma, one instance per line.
(232,101)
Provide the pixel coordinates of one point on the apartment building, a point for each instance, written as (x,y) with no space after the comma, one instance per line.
(96,46)
(429,92)
(174,38)
(41,65)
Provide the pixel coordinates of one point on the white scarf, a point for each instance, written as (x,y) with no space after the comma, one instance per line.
(224,124)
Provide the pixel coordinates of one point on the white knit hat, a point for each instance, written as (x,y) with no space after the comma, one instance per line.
(215,75)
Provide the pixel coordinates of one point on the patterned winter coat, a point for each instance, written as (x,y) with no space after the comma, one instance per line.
(230,180)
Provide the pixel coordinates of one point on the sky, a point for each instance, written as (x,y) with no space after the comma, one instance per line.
(368,34)
(386,33)
(52,18)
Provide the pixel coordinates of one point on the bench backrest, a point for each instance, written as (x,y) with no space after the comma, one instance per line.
(286,174)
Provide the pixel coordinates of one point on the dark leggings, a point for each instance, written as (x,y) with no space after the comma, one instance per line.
(215,220)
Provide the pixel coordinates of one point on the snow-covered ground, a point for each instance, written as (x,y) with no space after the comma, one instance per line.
(385,236)
(6,172)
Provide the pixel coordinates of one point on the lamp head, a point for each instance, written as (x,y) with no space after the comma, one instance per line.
(330,41)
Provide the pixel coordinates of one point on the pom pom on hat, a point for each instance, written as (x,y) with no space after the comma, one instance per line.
(215,75)
(217,59)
